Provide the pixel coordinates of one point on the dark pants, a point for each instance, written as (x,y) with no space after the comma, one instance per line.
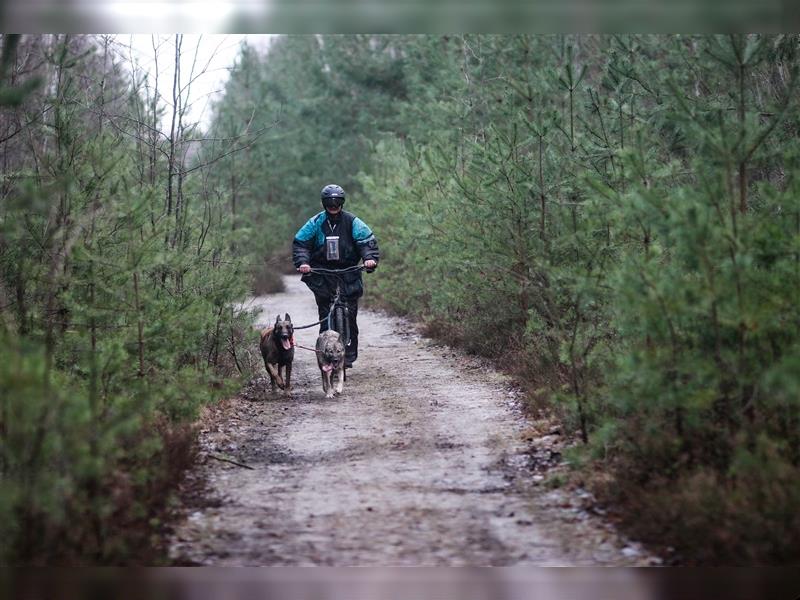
(323,307)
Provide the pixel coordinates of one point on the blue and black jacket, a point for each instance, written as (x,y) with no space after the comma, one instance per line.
(356,242)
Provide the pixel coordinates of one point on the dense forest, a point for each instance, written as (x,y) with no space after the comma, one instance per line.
(613,219)
(118,282)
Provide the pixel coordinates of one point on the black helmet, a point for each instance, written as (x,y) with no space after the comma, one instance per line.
(332,196)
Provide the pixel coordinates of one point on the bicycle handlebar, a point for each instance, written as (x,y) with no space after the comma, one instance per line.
(352,269)
(336,271)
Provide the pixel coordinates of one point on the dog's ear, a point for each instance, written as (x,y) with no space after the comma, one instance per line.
(287,318)
(277,319)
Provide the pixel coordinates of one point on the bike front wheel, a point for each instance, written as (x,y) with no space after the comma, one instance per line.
(342,324)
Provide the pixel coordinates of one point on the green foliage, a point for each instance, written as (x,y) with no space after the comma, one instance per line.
(317,103)
(617,217)
(117,292)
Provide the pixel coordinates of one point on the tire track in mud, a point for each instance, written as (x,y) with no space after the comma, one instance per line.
(422,461)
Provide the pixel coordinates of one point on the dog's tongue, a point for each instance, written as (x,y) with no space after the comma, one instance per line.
(287,345)
(327,368)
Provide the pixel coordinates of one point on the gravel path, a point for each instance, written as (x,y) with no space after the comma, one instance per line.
(425,459)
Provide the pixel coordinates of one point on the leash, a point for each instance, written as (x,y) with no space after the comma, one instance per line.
(305,347)
(312,324)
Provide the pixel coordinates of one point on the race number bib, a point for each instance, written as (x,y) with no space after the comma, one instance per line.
(332,247)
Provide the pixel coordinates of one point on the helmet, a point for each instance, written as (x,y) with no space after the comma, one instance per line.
(332,196)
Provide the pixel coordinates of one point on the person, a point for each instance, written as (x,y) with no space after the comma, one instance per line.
(335,239)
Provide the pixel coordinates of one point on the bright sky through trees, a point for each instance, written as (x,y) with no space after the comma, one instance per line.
(206,61)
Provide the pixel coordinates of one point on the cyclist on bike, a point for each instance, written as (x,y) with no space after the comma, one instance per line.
(335,239)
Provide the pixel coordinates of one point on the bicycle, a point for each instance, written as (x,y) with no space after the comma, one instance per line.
(338,318)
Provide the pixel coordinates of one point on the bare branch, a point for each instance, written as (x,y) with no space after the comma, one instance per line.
(233,151)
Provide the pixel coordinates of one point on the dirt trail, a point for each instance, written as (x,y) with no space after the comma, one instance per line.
(422,461)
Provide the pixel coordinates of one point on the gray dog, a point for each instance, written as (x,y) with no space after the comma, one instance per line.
(330,358)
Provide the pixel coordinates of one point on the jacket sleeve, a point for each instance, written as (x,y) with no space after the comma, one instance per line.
(303,243)
(365,241)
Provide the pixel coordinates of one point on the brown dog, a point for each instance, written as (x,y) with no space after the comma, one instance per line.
(277,349)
